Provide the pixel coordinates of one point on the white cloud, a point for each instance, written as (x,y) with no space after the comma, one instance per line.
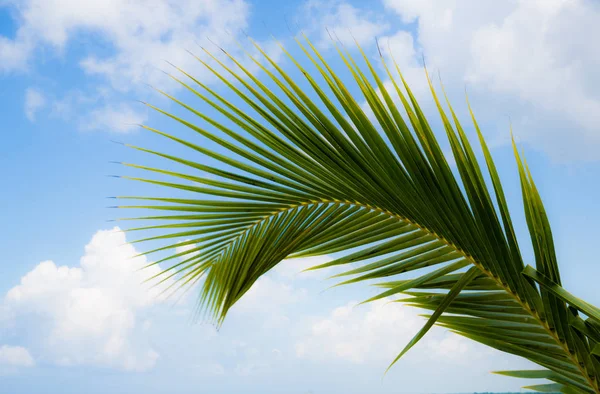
(185,248)
(292,268)
(371,332)
(139,35)
(455,347)
(347,22)
(535,56)
(98,110)
(89,314)
(377,332)
(114,118)
(270,300)
(531,55)
(15,356)
(96,313)
(14,53)
(144,36)
(34,101)
(67,107)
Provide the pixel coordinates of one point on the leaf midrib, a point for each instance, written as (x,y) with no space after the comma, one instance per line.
(552,333)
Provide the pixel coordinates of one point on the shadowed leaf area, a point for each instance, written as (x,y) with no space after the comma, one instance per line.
(318,164)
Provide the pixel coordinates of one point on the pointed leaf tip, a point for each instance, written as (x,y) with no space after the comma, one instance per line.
(378,47)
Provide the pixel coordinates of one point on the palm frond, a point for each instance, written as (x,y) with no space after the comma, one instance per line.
(310,172)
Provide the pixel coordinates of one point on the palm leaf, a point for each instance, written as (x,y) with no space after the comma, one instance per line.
(309,171)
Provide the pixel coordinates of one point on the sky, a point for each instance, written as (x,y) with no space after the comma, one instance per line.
(74,314)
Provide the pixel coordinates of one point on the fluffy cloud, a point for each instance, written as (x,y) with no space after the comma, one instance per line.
(270,301)
(372,332)
(89,314)
(267,294)
(377,332)
(15,356)
(534,58)
(292,268)
(140,36)
(98,110)
(34,101)
(142,33)
(538,54)
(98,313)
(121,119)
(347,22)
(15,53)
(185,248)
(530,59)
(144,36)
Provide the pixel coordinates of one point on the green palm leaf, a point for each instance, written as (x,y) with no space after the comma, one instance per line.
(310,172)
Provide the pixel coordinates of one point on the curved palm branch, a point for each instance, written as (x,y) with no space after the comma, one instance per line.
(308,172)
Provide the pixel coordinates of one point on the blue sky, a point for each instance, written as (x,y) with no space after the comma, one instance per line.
(73,315)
